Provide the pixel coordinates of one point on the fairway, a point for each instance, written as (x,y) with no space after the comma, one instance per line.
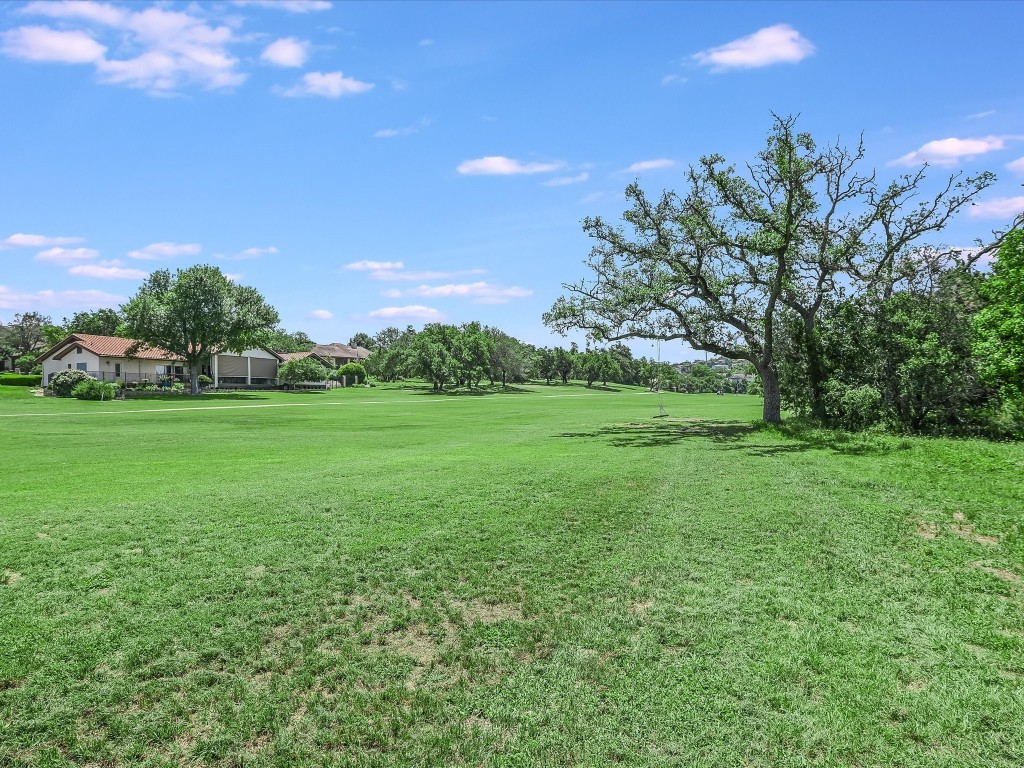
(536,576)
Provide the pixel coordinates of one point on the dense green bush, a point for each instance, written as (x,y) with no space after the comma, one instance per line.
(204,380)
(65,381)
(91,389)
(853,408)
(354,373)
(20,380)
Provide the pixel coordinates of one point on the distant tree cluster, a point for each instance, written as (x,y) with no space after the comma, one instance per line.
(818,276)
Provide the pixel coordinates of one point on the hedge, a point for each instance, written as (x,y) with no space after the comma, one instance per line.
(20,380)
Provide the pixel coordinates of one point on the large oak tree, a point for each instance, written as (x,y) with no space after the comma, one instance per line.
(718,265)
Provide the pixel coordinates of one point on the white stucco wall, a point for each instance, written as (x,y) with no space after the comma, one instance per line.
(71,359)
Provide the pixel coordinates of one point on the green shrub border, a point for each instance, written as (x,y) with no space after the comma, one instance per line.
(20,380)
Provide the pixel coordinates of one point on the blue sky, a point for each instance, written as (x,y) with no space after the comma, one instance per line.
(374,164)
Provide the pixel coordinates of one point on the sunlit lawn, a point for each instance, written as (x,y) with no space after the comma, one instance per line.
(543,576)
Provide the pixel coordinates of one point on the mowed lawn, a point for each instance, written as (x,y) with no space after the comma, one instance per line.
(550,576)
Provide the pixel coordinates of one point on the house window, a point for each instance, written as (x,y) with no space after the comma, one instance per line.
(117,369)
(78,350)
(81,366)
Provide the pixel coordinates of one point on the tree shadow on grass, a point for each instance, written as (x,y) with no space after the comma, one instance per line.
(469,391)
(732,436)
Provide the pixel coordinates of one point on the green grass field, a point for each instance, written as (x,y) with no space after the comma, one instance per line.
(548,576)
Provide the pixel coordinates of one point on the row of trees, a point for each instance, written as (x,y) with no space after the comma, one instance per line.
(819,276)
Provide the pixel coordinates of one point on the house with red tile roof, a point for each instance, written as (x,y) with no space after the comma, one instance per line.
(111,358)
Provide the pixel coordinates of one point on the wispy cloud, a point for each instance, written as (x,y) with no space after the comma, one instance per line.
(367,266)
(155,251)
(66,256)
(329,85)
(420,275)
(108,270)
(425,42)
(248,253)
(951,151)
(409,130)
(292,6)
(49,299)
(650,165)
(673,80)
(980,115)
(1017,166)
(562,181)
(998,207)
(21,240)
(498,165)
(411,312)
(480,292)
(286,52)
(777,44)
(321,314)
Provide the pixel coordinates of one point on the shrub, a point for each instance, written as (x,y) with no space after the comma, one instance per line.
(20,380)
(855,408)
(354,373)
(204,380)
(91,389)
(65,381)
(25,362)
(37,370)
(177,387)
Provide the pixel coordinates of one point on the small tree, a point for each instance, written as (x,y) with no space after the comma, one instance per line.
(303,369)
(197,312)
(353,372)
(25,362)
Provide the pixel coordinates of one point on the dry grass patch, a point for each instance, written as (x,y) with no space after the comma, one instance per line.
(999,573)
(10,577)
(473,611)
(965,530)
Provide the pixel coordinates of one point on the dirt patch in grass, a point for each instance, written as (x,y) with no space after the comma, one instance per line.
(10,577)
(916,685)
(928,530)
(415,642)
(965,530)
(473,611)
(641,607)
(999,573)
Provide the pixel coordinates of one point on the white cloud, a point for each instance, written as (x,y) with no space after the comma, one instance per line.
(1017,166)
(155,251)
(392,274)
(498,165)
(45,44)
(998,208)
(20,240)
(321,314)
(249,253)
(677,79)
(292,6)
(108,270)
(330,85)
(413,312)
(374,265)
(67,255)
(286,52)
(172,48)
(234,277)
(562,181)
(47,299)
(650,165)
(387,133)
(980,115)
(425,42)
(951,151)
(772,45)
(480,292)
